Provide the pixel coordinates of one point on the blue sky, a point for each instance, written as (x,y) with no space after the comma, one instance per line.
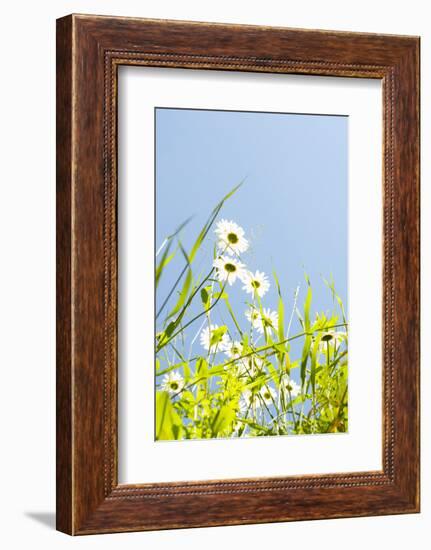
(292,205)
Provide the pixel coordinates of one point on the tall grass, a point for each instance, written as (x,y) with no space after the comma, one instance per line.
(242,378)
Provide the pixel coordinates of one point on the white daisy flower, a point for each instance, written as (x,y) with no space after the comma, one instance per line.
(213,341)
(231,238)
(173,382)
(292,388)
(333,338)
(255,283)
(228,269)
(267,394)
(234,349)
(267,319)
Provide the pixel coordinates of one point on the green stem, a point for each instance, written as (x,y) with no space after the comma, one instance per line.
(190,322)
(295,337)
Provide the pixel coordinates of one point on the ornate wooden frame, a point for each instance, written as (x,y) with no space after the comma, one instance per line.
(89,51)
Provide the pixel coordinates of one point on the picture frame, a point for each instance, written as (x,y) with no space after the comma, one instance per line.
(90,50)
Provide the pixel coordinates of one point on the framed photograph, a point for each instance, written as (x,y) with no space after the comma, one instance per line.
(237,274)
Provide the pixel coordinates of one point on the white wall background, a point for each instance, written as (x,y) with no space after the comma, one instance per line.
(27,279)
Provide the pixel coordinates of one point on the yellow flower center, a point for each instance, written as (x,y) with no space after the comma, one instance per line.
(230,268)
(232,238)
(255,284)
(174,386)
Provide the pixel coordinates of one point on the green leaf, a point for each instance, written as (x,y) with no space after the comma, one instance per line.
(331,286)
(205,297)
(288,365)
(217,335)
(168,423)
(170,328)
(280,328)
(304,358)
(165,258)
(231,313)
(170,368)
(217,370)
(163,337)
(258,381)
(279,347)
(314,353)
(163,263)
(222,420)
(307,342)
(220,295)
(201,377)
(307,306)
(202,368)
(274,373)
(187,371)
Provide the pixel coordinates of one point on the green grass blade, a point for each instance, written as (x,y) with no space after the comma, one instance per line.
(223,418)
(163,263)
(205,229)
(231,313)
(183,294)
(331,285)
(168,423)
(307,306)
(314,352)
(280,328)
(203,233)
(307,324)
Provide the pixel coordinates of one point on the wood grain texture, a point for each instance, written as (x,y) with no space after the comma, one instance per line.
(90,49)
(64,497)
